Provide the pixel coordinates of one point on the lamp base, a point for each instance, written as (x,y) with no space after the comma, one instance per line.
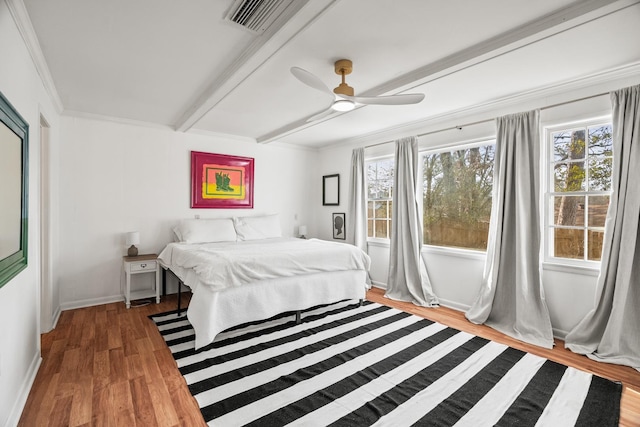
(133,251)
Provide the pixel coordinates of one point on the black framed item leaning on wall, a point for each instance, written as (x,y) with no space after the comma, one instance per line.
(339,226)
(14,162)
(331,190)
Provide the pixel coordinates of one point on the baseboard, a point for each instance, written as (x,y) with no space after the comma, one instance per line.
(454,305)
(23,394)
(379,284)
(56,317)
(560,334)
(90,302)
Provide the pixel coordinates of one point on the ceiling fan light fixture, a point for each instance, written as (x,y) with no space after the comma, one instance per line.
(343,105)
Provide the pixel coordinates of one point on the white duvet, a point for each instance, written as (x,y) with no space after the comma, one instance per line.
(229,264)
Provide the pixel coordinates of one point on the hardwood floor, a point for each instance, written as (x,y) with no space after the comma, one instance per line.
(109,366)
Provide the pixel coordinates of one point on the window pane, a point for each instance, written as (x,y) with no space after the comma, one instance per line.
(381,229)
(569,243)
(379,189)
(379,193)
(600,169)
(569,177)
(600,142)
(385,169)
(457,189)
(598,206)
(568,145)
(456,234)
(561,141)
(568,210)
(381,210)
(596,238)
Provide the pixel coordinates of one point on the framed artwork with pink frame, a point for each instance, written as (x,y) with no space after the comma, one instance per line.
(220,181)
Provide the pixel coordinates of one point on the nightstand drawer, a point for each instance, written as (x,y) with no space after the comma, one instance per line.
(143,266)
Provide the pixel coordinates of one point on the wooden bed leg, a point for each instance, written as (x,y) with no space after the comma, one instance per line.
(298,319)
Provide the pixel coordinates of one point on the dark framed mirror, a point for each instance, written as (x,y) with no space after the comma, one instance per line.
(331,190)
(14,173)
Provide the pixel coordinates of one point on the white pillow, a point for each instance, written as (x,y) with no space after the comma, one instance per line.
(206,230)
(257,227)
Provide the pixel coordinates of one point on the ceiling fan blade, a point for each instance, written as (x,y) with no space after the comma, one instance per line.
(310,80)
(321,115)
(410,98)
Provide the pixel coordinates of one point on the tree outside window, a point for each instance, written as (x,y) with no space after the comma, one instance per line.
(457,189)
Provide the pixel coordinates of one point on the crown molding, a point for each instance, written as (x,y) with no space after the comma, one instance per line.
(112,119)
(220,135)
(25,27)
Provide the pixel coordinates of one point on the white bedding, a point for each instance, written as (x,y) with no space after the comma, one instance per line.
(238,282)
(227,264)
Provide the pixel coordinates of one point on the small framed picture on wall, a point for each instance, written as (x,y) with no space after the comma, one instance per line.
(331,190)
(339,226)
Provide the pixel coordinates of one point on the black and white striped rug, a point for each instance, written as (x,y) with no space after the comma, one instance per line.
(347,365)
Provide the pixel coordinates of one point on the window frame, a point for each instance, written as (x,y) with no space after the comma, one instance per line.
(381,240)
(548,193)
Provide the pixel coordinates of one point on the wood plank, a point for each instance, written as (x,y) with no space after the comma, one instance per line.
(118,361)
(82,401)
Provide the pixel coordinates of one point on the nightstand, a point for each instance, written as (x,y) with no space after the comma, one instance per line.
(138,265)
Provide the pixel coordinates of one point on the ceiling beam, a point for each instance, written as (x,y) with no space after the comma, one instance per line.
(571,16)
(263,47)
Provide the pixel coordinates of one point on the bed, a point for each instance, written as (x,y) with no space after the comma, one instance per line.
(241,270)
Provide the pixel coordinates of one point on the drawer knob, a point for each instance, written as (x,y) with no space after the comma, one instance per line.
(143,265)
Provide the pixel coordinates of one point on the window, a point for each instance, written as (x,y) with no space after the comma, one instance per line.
(457,189)
(379,195)
(579,190)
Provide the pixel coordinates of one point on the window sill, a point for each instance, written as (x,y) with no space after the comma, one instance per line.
(380,243)
(438,250)
(584,270)
(456,252)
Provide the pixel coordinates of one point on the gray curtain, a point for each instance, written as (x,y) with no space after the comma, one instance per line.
(611,331)
(408,279)
(357,216)
(511,297)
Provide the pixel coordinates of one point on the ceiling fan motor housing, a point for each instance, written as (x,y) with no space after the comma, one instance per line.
(343,89)
(342,68)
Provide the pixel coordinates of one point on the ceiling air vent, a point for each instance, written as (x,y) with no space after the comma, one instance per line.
(256,15)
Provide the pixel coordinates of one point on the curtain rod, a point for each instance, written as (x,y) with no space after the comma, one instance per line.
(490,120)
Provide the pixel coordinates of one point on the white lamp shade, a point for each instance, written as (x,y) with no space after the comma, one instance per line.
(302,230)
(133,238)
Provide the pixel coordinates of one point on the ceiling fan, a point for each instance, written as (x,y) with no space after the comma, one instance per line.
(344,99)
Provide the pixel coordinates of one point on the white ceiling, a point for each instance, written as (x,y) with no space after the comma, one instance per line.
(180,64)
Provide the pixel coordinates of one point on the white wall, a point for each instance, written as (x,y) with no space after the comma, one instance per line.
(19,298)
(457,275)
(118,177)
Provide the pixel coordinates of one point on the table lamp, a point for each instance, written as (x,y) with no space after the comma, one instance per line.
(133,239)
